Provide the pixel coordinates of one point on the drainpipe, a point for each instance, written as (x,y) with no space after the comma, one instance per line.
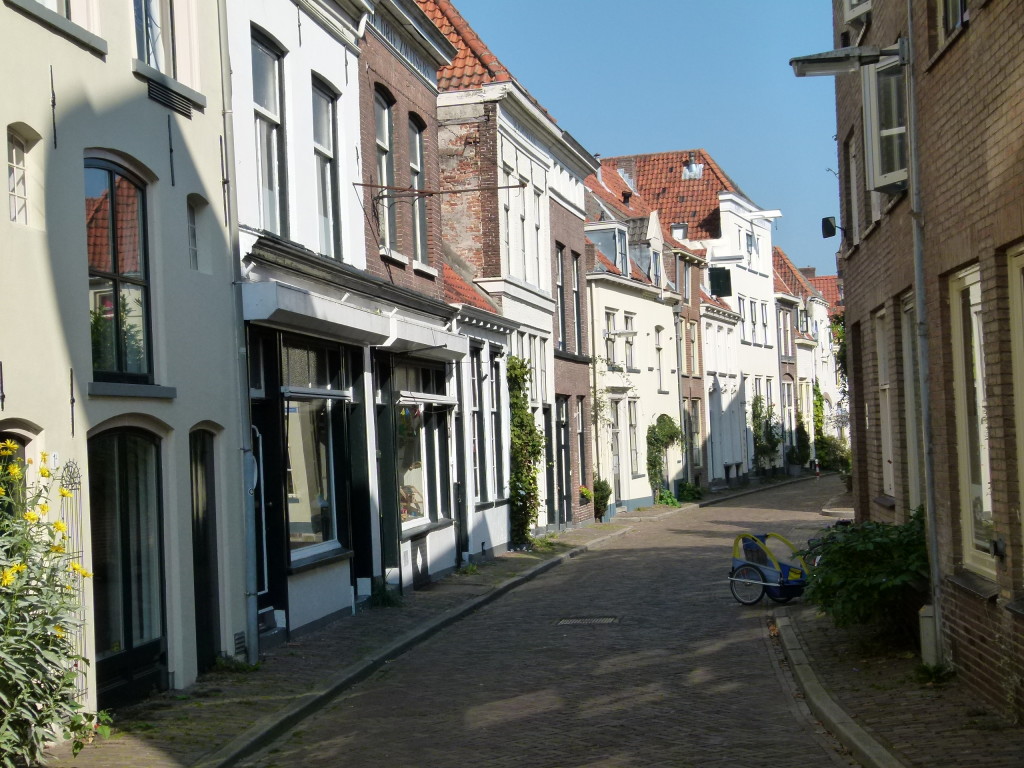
(241,368)
(921,310)
(594,437)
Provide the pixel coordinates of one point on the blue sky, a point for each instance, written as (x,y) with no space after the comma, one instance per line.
(658,75)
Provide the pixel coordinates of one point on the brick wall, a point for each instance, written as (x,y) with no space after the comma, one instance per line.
(380,70)
(970,113)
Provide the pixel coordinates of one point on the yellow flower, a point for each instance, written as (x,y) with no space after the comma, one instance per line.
(2,491)
(60,527)
(44,508)
(19,567)
(5,451)
(77,568)
(43,456)
(7,577)
(28,461)
(64,492)
(43,471)
(32,517)
(9,445)
(58,630)
(14,470)
(57,548)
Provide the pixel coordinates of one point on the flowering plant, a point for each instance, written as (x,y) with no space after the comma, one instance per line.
(39,589)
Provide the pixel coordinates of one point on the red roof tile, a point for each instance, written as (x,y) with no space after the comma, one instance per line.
(458,290)
(659,178)
(715,301)
(615,193)
(474,64)
(793,279)
(605,262)
(828,286)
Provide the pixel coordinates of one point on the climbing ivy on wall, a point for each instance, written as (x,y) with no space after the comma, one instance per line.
(527,449)
(663,433)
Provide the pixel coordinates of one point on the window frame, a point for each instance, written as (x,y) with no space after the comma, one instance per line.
(634,444)
(384,137)
(968,282)
(629,325)
(16,144)
(160,54)
(884,401)
(1015,270)
(417,182)
(560,294)
(271,188)
(875,134)
(577,307)
(117,279)
(325,165)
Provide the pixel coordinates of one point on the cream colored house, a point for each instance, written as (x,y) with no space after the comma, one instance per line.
(124,364)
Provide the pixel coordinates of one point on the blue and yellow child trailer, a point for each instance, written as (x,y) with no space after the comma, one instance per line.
(758,570)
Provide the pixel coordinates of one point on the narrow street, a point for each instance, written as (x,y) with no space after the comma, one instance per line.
(634,654)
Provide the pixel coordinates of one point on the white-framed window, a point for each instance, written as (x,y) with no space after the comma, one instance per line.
(154,35)
(971,405)
(1016,284)
(764,324)
(542,367)
(694,442)
(694,358)
(634,446)
(581,442)
(743,317)
(854,9)
(324,131)
(384,138)
(506,215)
(882,338)
(949,17)
(686,281)
(481,470)
(496,441)
(269,121)
(788,413)
(621,252)
(609,336)
(17,178)
(560,293)
(417,179)
(912,404)
(538,247)
(658,357)
(521,232)
(852,219)
(885,124)
(753,321)
(577,305)
(629,326)
(656,268)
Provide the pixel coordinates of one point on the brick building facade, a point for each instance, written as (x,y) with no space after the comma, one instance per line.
(966,67)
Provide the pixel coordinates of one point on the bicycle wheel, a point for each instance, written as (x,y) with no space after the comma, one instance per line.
(747,584)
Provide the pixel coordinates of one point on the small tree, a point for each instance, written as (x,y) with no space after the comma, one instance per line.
(602,492)
(800,453)
(662,434)
(526,450)
(767,432)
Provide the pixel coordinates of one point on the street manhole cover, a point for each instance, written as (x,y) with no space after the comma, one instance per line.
(589,620)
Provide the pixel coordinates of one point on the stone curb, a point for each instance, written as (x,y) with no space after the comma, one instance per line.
(275,724)
(864,747)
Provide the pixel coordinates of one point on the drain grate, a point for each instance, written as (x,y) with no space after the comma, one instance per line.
(589,620)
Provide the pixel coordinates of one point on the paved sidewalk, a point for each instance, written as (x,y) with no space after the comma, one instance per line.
(869,699)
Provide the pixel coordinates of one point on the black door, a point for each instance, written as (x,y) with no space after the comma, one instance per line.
(127,547)
(563,461)
(204,548)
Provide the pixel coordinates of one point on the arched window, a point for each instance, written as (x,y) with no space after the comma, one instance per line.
(119,324)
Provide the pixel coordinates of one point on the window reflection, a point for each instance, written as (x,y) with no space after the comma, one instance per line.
(309,473)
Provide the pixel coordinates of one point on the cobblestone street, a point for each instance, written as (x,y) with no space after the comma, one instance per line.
(632,654)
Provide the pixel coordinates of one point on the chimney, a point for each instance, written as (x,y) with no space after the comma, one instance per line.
(807,272)
(626,195)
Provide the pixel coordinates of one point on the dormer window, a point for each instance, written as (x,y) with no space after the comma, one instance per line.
(680,231)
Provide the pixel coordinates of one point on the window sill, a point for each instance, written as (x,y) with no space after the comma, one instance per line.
(422,530)
(1016,607)
(61,25)
(423,269)
(120,389)
(955,35)
(633,370)
(664,392)
(392,256)
(142,69)
(572,356)
(886,501)
(320,559)
(975,584)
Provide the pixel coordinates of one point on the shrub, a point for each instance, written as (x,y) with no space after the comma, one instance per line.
(39,588)
(664,432)
(665,498)
(690,492)
(766,430)
(872,573)
(833,453)
(526,450)
(602,492)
